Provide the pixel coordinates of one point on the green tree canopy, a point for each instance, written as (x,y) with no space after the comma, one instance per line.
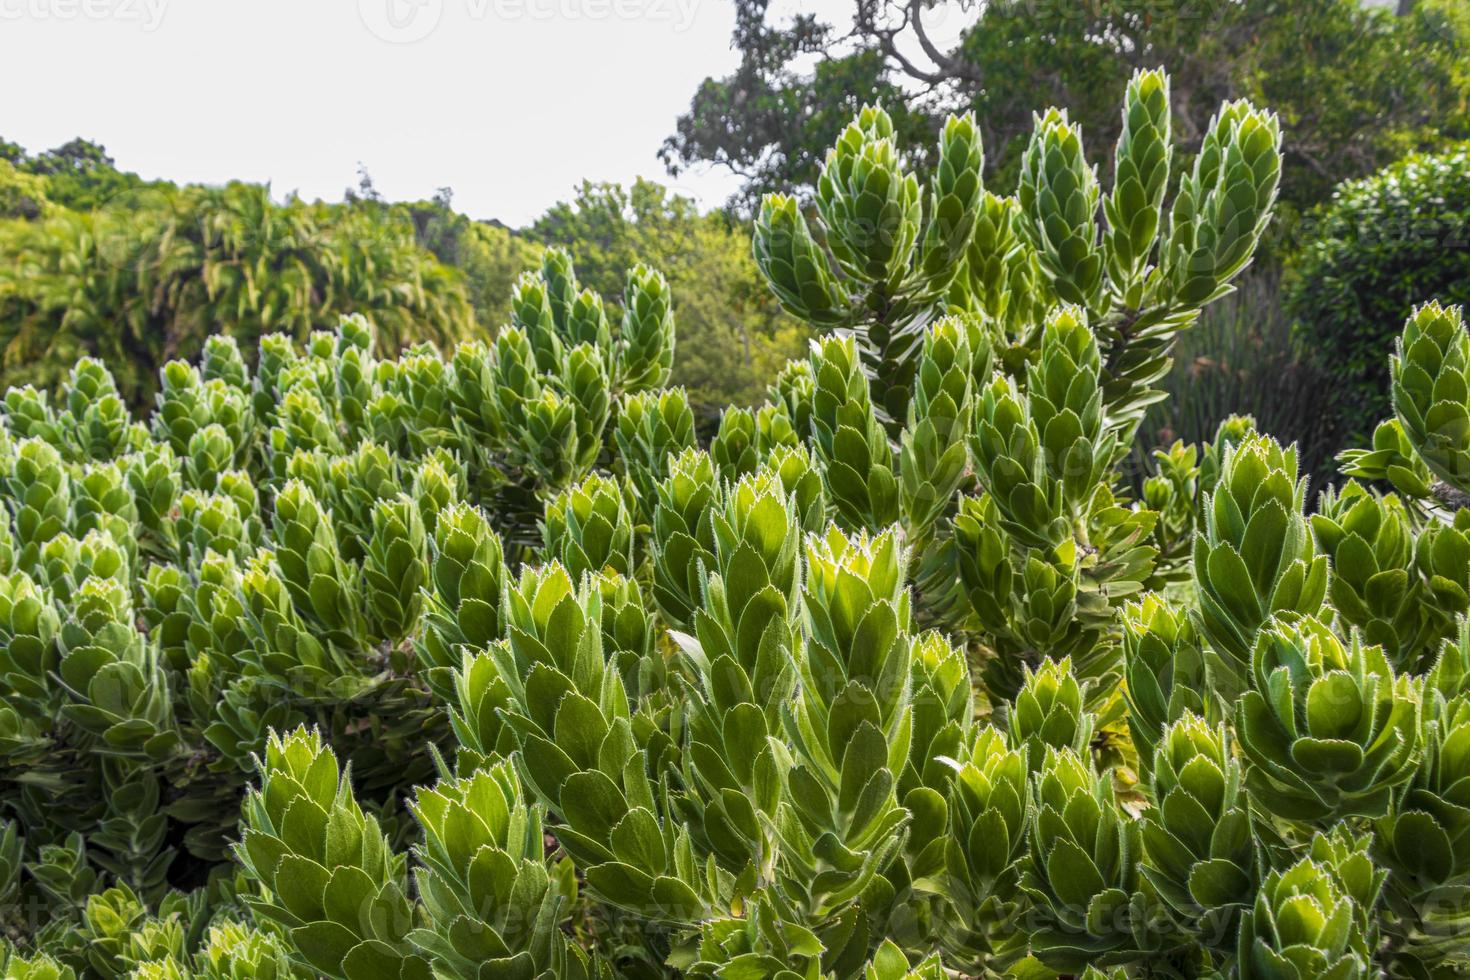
(1355,87)
(79,173)
(151,275)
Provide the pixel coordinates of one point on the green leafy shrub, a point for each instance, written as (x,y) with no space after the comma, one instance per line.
(1383,246)
(150,275)
(480,665)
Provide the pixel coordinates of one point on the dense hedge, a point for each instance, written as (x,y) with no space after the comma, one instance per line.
(1384,245)
(479,666)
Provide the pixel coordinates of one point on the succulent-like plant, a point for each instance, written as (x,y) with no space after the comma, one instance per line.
(933,453)
(1002,278)
(472,389)
(746,622)
(101,501)
(29,415)
(1083,877)
(646,339)
(741,662)
(181,406)
(1374,586)
(216,627)
(418,388)
(589,527)
(438,483)
(491,902)
(395,569)
(303,424)
(462,608)
(550,443)
(1048,713)
(793,389)
(95,421)
(1429,371)
(586,321)
(331,877)
(857,461)
(848,727)
(892,253)
(321,583)
(39,497)
(1329,731)
(629,635)
(578,750)
(480,697)
(1170,492)
(890,963)
(1041,453)
(112,673)
(1223,204)
(1424,842)
(1143,278)
(747,437)
(795,267)
(222,358)
(28,626)
(989,809)
(232,950)
(39,966)
(1442,562)
(653,427)
(154,478)
(1310,920)
(1164,669)
(212,522)
(490,749)
(1391,458)
(800,473)
(1199,852)
(942,698)
(1059,196)
(1255,556)
(532,310)
(1034,603)
(1140,179)
(585,381)
(683,536)
(513,377)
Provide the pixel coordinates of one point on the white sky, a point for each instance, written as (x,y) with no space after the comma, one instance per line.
(510,102)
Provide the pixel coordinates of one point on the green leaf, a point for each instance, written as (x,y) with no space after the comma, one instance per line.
(325,945)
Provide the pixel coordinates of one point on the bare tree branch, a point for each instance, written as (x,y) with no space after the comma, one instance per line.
(946,68)
(952,67)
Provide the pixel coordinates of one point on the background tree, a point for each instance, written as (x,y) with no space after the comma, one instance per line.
(1384,245)
(152,274)
(22,195)
(488,253)
(79,173)
(1354,87)
(732,333)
